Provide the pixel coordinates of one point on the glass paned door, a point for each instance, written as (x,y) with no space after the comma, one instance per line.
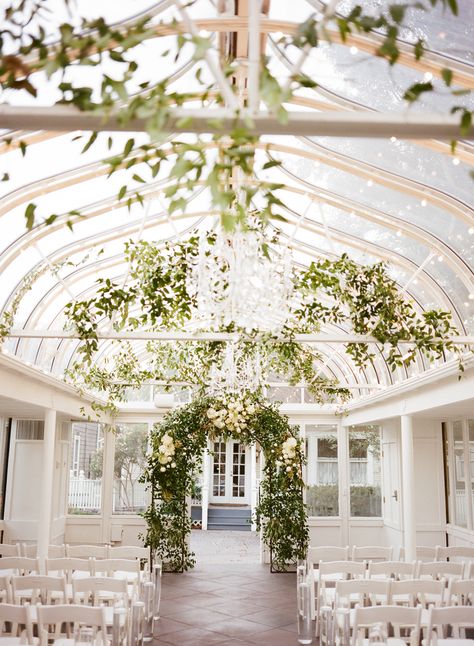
(230,470)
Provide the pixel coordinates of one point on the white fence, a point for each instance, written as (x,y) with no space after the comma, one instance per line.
(85,495)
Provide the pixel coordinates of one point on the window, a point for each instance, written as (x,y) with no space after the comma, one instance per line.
(86,468)
(364,471)
(322,496)
(459,464)
(130,495)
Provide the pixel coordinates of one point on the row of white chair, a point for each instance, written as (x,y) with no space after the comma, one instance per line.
(50,621)
(335,570)
(47,589)
(77,551)
(385,553)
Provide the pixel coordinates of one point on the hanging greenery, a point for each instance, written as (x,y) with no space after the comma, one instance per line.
(177,447)
(110,53)
(158,296)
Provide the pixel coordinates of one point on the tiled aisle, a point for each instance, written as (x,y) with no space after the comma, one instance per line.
(229,604)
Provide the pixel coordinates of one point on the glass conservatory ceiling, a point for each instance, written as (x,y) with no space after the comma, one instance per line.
(407,202)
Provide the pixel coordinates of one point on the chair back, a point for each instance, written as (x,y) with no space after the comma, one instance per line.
(335,570)
(56,551)
(7,549)
(454,553)
(363,592)
(51,619)
(392,569)
(87,551)
(15,616)
(19,565)
(441,570)
(399,617)
(411,592)
(95,590)
(458,617)
(69,567)
(39,589)
(372,553)
(117,568)
(423,553)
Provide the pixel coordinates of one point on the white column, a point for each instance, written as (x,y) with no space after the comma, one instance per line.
(206,476)
(408,488)
(107,483)
(344,483)
(253,482)
(312,460)
(44,524)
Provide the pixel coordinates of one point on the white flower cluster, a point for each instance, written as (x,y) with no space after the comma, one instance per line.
(233,415)
(166,453)
(288,450)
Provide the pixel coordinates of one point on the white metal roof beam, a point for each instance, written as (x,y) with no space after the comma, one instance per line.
(403,125)
(208,336)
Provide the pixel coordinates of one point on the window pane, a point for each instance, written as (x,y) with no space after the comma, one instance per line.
(364,471)
(86,464)
(322,495)
(130,495)
(460,508)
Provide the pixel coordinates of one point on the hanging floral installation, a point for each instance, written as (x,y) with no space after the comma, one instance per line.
(161,295)
(178,444)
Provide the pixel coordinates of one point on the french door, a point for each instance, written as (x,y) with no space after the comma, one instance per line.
(230,470)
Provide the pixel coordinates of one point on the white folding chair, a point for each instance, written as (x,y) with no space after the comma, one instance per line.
(455,553)
(19,565)
(371,553)
(126,569)
(87,551)
(361,592)
(457,617)
(52,618)
(397,570)
(399,617)
(460,592)
(70,568)
(423,553)
(7,549)
(15,617)
(329,573)
(97,591)
(34,588)
(441,570)
(413,592)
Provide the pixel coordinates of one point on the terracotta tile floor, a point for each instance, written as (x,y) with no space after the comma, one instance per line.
(228,604)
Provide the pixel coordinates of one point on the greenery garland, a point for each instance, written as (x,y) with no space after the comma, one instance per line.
(177,447)
(158,297)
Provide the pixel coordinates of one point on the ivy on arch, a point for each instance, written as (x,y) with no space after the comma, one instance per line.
(178,443)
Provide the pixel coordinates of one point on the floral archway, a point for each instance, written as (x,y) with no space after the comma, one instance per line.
(177,447)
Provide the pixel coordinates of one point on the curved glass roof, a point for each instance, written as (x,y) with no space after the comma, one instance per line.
(408,203)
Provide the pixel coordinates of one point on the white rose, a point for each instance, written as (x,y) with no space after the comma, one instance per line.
(288,468)
(162,459)
(211,413)
(250,409)
(173,465)
(162,448)
(162,469)
(220,424)
(291,441)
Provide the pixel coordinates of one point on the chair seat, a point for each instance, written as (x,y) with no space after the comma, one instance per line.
(391,641)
